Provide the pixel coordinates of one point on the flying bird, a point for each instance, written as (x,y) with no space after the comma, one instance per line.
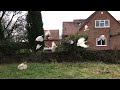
(39,38)
(38,46)
(81,42)
(53,46)
(23,40)
(102,37)
(86,28)
(47,33)
(22,66)
(71,42)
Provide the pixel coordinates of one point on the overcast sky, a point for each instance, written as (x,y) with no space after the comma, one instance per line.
(54,19)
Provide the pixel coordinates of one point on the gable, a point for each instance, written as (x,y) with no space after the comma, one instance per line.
(111,30)
(94,33)
(54,34)
(100,15)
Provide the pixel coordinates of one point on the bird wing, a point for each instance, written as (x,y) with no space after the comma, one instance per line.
(71,42)
(20,66)
(83,45)
(47,33)
(53,44)
(25,66)
(39,38)
(81,40)
(38,46)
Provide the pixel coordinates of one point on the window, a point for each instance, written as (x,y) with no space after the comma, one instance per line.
(100,42)
(102,23)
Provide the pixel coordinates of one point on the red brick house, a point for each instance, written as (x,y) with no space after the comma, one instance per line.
(54,36)
(100,23)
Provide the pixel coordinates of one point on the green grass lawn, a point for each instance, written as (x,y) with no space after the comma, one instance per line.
(82,70)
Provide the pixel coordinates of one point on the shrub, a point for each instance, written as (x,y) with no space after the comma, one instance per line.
(112,56)
(24,51)
(109,56)
(8,48)
(65,45)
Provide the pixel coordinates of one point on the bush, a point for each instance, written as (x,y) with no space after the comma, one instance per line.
(8,48)
(23,51)
(109,56)
(112,56)
(65,45)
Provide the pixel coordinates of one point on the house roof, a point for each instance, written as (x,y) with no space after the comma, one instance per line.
(87,20)
(54,34)
(119,21)
(91,16)
(79,20)
(70,28)
(77,24)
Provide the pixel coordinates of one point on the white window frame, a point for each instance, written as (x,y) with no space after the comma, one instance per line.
(101,42)
(102,21)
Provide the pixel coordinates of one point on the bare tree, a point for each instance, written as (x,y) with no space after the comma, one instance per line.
(12,21)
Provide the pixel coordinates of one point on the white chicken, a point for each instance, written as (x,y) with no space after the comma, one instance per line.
(39,38)
(22,66)
(38,46)
(81,42)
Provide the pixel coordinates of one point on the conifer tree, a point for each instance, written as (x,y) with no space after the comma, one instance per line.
(35,28)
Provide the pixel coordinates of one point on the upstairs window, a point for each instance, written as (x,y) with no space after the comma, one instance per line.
(102,23)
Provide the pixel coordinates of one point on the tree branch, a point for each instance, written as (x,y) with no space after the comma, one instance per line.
(9,21)
(2,15)
(16,22)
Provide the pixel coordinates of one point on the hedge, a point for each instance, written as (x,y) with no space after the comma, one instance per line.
(102,55)
(105,56)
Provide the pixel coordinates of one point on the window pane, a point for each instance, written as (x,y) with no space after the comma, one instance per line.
(103,42)
(99,42)
(102,21)
(97,23)
(106,23)
(102,25)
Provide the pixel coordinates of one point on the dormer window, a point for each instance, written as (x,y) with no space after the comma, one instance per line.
(102,23)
